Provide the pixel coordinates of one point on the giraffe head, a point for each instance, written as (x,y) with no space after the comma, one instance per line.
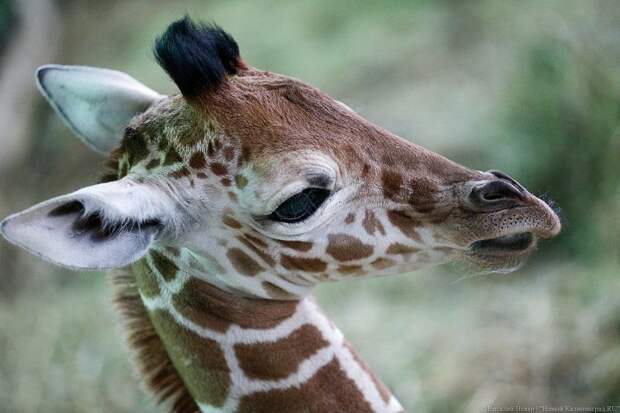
(260,183)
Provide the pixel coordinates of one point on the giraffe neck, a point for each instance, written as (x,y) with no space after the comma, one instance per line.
(236,354)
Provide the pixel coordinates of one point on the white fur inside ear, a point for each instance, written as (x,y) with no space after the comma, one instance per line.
(100,227)
(97,104)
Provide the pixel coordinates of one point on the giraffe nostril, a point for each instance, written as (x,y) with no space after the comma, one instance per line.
(496,190)
(507,178)
(496,195)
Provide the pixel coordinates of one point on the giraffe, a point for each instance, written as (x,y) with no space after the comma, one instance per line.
(229,202)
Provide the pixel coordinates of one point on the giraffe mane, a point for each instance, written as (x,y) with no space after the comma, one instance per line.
(150,357)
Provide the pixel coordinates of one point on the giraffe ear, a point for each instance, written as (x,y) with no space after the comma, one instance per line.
(97,104)
(98,227)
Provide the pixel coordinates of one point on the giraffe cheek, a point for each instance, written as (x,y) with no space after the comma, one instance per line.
(406,224)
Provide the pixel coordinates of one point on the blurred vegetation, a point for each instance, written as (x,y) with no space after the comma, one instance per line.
(7,19)
(561,118)
(529,87)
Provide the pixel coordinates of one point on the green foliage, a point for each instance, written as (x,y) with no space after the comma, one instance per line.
(560,136)
(7,20)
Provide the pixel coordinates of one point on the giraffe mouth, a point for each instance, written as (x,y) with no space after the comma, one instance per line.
(514,232)
(505,245)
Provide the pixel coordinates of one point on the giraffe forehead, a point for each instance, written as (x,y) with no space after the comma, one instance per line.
(279,124)
(180,133)
(307,166)
(279,114)
(313,134)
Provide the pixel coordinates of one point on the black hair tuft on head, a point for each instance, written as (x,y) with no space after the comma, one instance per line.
(197,56)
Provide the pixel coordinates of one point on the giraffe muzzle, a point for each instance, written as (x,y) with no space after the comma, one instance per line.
(507,219)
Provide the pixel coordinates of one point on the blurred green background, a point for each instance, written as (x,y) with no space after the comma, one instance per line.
(528,87)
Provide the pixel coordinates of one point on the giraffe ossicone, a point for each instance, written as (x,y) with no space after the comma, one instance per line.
(231,201)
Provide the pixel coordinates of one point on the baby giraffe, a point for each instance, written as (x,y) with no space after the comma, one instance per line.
(230,201)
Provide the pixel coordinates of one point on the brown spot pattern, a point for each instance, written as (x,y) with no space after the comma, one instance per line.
(166,267)
(303,264)
(229,153)
(423,193)
(383,263)
(351,269)
(231,222)
(194,304)
(243,263)
(198,161)
(392,184)
(315,395)
(276,292)
(365,171)
(245,312)
(172,157)
(219,168)
(272,361)
(347,248)
(180,173)
(247,241)
(350,218)
(372,224)
(302,246)
(406,224)
(217,143)
(257,241)
(401,249)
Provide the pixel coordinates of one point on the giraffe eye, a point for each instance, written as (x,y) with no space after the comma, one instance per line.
(300,206)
